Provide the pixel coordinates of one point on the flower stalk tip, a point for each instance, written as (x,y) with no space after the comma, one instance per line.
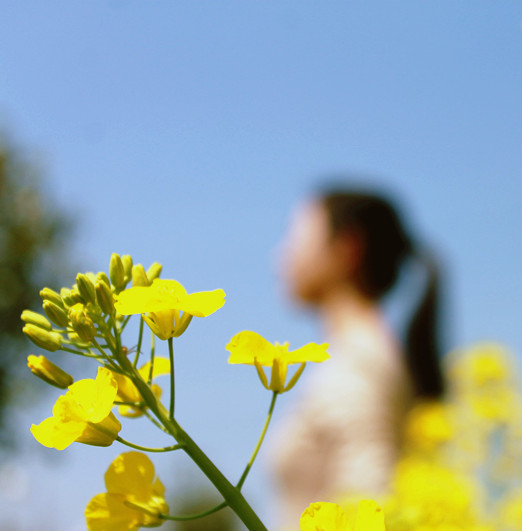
(117,272)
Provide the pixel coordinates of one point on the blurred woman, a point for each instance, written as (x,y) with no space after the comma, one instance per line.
(343,253)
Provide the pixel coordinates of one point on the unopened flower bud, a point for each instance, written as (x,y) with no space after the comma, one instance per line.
(49,372)
(86,287)
(126,260)
(71,296)
(117,272)
(81,323)
(154,271)
(48,294)
(102,277)
(75,338)
(104,297)
(55,313)
(29,316)
(93,311)
(43,338)
(139,276)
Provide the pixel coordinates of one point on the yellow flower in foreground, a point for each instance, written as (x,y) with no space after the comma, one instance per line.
(127,391)
(161,302)
(134,498)
(250,348)
(324,516)
(83,415)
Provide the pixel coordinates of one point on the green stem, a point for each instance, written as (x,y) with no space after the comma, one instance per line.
(230,493)
(146,448)
(194,516)
(140,338)
(154,421)
(172,384)
(152,354)
(124,322)
(104,354)
(259,442)
(79,353)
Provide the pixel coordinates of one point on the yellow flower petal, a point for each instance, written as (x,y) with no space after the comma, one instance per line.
(323,516)
(161,295)
(131,487)
(203,303)
(127,391)
(131,473)
(161,367)
(108,512)
(54,434)
(91,400)
(311,352)
(370,517)
(83,414)
(161,302)
(168,295)
(246,346)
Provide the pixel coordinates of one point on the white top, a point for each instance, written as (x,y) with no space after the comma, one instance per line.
(343,434)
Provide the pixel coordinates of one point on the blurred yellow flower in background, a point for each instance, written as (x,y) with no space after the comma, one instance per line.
(428,425)
(134,497)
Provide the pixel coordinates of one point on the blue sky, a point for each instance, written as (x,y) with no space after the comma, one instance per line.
(185,132)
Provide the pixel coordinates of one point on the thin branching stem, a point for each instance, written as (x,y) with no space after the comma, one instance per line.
(172,382)
(194,516)
(259,442)
(147,449)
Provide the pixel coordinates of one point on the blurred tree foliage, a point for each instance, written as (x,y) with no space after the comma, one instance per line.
(32,238)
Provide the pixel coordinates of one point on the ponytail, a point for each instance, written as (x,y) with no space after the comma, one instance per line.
(387,246)
(422,348)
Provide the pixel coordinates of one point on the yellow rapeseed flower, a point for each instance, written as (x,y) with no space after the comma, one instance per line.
(250,348)
(324,516)
(127,391)
(161,302)
(134,497)
(83,415)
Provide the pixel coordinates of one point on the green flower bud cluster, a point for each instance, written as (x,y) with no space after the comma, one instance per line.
(81,315)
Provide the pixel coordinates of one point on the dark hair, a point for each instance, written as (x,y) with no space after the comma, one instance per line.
(386,246)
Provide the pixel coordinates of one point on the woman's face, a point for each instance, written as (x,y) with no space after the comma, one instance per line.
(313,261)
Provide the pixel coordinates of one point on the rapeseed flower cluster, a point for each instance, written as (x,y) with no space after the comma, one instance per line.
(461,469)
(89,319)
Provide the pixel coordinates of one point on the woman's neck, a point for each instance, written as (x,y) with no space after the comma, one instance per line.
(346,308)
